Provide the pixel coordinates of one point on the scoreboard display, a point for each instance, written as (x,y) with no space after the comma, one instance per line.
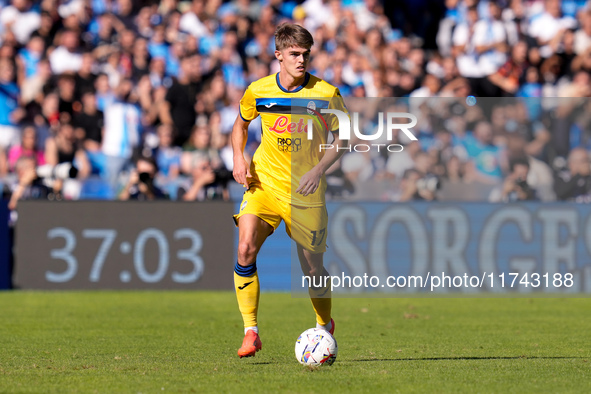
(124,245)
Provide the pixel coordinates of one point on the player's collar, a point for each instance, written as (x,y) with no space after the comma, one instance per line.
(306,79)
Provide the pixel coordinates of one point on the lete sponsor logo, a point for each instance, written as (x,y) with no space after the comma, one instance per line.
(283,125)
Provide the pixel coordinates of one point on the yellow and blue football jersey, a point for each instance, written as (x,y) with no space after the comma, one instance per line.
(286,152)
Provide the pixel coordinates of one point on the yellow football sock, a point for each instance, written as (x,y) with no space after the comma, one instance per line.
(246,284)
(322,303)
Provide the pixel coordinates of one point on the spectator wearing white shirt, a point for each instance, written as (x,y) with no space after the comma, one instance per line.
(430,88)
(66,57)
(463,46)
(191,21)
(549,27)
(583,35)
(20,19)
(515,15)
(355,73)
(490,41)
(318,12)
(122,131)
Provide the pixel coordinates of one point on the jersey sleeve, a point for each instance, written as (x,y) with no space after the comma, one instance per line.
(336,102)
(248,106)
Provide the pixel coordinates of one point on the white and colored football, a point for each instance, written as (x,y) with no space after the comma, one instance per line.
(316,347)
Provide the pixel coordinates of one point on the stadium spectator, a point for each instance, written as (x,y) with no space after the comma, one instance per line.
(32,86)
(27,148)
(430,88)
(464,49)
(66,88)
(20,19)
(540,176)
(454,172)
(179,107)
(410,190)
(583,35)
(140,185)
(67,56)
(28,58)
(510,75)
(10,111)
(86,76)
(515,186)
(89,123)
(192,21)
(64,148)
(140,59)
(548,28)
(28,185)
(101,32)
(198,145)
(124,16)
(123,128)
(167,156)
(491,38)
(489,159)
(105,95)
(398,163)
(47,29)
(574,183)
(144,19)
(336,78)
(567,53)
(205,183)
(222,143)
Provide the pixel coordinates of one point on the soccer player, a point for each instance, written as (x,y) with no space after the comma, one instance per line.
(285,180)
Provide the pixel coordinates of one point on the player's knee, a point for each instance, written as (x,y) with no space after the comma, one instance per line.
(246,253)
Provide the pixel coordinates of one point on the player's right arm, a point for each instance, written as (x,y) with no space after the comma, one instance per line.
(247,112)
(239,137)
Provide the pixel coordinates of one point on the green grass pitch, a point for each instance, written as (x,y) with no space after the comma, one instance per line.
(154,342)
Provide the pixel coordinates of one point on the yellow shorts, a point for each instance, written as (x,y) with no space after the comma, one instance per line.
(305,225)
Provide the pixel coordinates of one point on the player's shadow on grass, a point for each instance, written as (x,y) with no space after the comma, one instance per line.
(472,358)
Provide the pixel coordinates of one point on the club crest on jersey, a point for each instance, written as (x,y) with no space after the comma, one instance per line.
(311,107)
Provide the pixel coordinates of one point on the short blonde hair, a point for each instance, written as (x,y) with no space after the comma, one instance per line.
(289,35)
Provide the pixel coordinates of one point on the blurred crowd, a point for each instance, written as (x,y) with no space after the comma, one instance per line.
(124,99)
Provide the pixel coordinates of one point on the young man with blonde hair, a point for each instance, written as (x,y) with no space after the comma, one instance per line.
(285,180)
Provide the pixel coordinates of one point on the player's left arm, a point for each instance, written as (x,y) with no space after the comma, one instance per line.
(311,180)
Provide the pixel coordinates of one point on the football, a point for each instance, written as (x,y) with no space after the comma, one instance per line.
(316,347)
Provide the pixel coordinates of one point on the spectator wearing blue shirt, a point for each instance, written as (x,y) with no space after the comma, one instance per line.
(157,46)
(10,112)
(532,86)
(336,79)
(167,156)
(489,159)
(173,64)
(104,94)
(232,68)
(29,57)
